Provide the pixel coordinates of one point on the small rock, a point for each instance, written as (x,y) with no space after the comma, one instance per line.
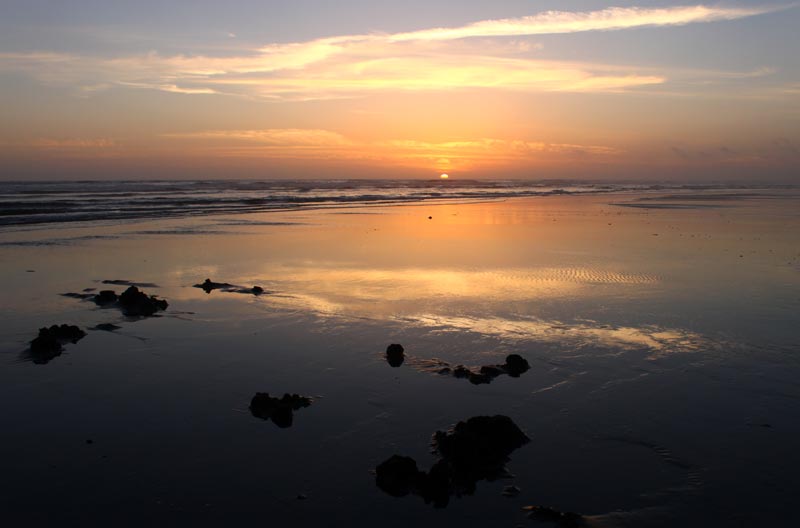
(395,355)
(516,365)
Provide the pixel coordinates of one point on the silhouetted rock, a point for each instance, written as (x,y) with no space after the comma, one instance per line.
(49,343)
(479,379)
(460,371)
(516,365)
(395,355)
(481,440)
(469,452)
(208,285)
(279,410)
(492,371)
(561,519)
(107,327)
(105,297)
(398,475)
(136,303)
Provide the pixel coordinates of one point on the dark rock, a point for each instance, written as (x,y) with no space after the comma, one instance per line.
(471,451)
(395,355)
(208,285)
(107,327)
(136,303)
(257,290)
(516,365)
(397,476)
(479,379)
(279,410)
(460,371)
(49,343)
(492,371)
(105,297)
(562,519)
(481,440)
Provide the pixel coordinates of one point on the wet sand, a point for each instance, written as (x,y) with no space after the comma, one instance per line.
(662,337)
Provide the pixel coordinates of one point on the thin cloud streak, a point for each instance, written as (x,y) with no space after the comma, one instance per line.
(613,18)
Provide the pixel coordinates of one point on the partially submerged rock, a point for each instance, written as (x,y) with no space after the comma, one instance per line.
(480,441)
(469,452)
(50,341)
(105,297)
(136,303)
(514,366)
(395,355)
(279,410)
(208,286)
(132,301)
(561,519)
(106,327)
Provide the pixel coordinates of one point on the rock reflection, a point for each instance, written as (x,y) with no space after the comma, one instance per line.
(471,451)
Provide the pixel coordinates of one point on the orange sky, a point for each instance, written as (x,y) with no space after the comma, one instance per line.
(634,92)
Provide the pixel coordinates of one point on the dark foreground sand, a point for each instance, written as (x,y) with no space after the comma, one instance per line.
(662,336)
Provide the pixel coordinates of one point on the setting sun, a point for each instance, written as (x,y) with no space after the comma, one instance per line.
(444,176)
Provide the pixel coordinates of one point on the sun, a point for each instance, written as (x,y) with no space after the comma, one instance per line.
(444,176)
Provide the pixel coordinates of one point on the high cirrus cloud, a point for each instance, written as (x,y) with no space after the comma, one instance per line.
(352,65)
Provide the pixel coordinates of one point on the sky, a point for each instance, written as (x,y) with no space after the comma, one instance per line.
(531,89)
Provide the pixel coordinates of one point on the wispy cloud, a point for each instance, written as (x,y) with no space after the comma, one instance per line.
(613,18)
(352,65)
(328,145)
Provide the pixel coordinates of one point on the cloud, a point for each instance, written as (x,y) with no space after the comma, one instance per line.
(355,65)
(613,18)
(328,145)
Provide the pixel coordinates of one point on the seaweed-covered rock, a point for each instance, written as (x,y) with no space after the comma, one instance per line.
(395,355)
(279,410)
(49,343)
(208,285)
(105,297)
(481,440)
(397,476)
(561,519)
(136,303)
(516,365)
(469,452)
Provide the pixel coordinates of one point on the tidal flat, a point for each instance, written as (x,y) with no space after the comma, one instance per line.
(661,330)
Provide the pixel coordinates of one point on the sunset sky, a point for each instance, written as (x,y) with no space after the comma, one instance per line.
(376,88)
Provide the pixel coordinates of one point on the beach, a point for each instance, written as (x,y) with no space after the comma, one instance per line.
(660,326)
